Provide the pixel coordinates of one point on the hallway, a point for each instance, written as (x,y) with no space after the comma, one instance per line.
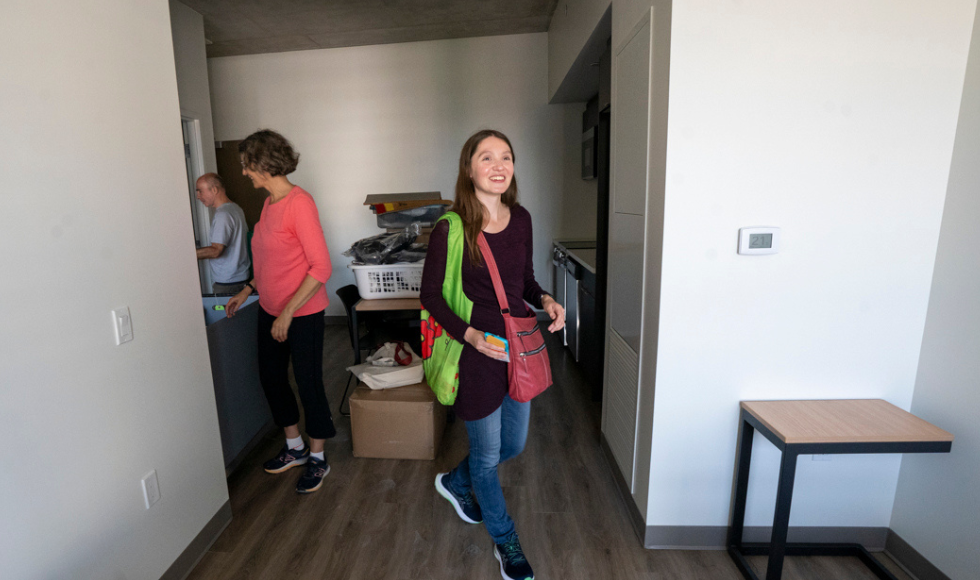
(381,519)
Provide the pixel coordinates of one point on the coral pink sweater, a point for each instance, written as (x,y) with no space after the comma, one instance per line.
(288,246)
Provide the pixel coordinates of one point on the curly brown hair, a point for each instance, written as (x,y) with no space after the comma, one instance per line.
(268,152)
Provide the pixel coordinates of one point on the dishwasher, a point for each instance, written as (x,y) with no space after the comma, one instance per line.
(573,273)
(566,274)
(558,278)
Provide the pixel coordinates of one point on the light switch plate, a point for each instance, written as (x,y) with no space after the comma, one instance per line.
(122,323)
(151,489)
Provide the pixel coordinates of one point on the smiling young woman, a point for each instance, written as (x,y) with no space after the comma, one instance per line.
(486,201)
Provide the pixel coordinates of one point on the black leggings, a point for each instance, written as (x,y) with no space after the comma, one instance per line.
(305,344)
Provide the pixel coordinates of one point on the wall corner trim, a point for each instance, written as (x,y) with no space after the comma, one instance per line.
(909,558)
(636,518)
(189,558)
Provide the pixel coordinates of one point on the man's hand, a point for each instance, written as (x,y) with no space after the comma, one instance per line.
(210,252)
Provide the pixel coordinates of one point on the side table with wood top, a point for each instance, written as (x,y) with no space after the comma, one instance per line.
(379,305)
(817,428)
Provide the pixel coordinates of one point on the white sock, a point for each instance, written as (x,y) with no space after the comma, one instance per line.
(318,456)
(296,444)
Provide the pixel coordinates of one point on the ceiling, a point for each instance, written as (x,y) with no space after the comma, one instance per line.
(234,27)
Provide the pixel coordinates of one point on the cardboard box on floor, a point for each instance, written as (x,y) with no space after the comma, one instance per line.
(400,423)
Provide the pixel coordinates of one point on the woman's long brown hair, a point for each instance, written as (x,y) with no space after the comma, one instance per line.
(466,204)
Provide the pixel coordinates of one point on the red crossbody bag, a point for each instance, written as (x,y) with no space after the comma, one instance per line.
(529,370)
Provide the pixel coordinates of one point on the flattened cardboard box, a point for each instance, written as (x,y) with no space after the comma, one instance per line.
(400,423)
(385,202)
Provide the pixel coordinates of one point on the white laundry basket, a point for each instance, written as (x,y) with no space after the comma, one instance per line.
(388,281)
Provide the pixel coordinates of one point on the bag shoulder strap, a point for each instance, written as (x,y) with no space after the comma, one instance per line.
(452,286)
(498,285)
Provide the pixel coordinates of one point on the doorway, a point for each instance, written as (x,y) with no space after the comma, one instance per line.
(200,215)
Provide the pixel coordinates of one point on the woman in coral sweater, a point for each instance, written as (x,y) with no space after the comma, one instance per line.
(291,266)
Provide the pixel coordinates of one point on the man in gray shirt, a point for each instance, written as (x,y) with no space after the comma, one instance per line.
(227,253)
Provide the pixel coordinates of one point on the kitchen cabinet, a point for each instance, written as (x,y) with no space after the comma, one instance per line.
(591,338)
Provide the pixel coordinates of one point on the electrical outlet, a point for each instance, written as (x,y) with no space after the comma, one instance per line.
(151,488)
(822,457)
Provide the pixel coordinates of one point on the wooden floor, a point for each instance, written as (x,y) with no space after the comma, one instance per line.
(380,519)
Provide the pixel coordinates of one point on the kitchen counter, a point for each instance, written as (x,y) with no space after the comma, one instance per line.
(582,251)
(584,257)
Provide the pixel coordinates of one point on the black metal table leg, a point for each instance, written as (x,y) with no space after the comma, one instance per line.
(357,336)
(780,523)
(740,492)
(743,457)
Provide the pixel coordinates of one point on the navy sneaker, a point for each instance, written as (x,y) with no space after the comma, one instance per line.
(312,479)
(513,564)
(465,506)
(287,459)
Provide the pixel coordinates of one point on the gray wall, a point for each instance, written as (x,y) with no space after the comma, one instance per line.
(95,216)
(937,505)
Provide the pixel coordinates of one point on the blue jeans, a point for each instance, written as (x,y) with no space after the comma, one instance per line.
(493,440)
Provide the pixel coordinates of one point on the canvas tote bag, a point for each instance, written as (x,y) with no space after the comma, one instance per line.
(440,351)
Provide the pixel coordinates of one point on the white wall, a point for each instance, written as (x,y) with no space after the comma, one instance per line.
(95,216)
(190,58)
(393,118)
(834,121)
(570,28)
(194,95)
(938,501)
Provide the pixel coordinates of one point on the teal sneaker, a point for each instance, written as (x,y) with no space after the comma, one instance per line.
(465,505)
(513,564)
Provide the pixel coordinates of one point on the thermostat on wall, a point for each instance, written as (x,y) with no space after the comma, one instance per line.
(756,241)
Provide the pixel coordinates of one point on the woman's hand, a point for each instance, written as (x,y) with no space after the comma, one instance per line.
(555,311)
(476,340)
(280,328)
(236,301)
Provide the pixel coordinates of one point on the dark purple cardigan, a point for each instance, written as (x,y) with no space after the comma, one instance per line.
(483,380)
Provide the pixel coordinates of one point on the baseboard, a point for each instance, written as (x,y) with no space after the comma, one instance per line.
(909,558)
(636,518)
(249,447)
(715,537)
(874,539)
(189,558)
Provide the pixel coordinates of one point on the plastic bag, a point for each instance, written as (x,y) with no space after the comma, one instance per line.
(388,377)
(376,249)
(392,354)
(414,253)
